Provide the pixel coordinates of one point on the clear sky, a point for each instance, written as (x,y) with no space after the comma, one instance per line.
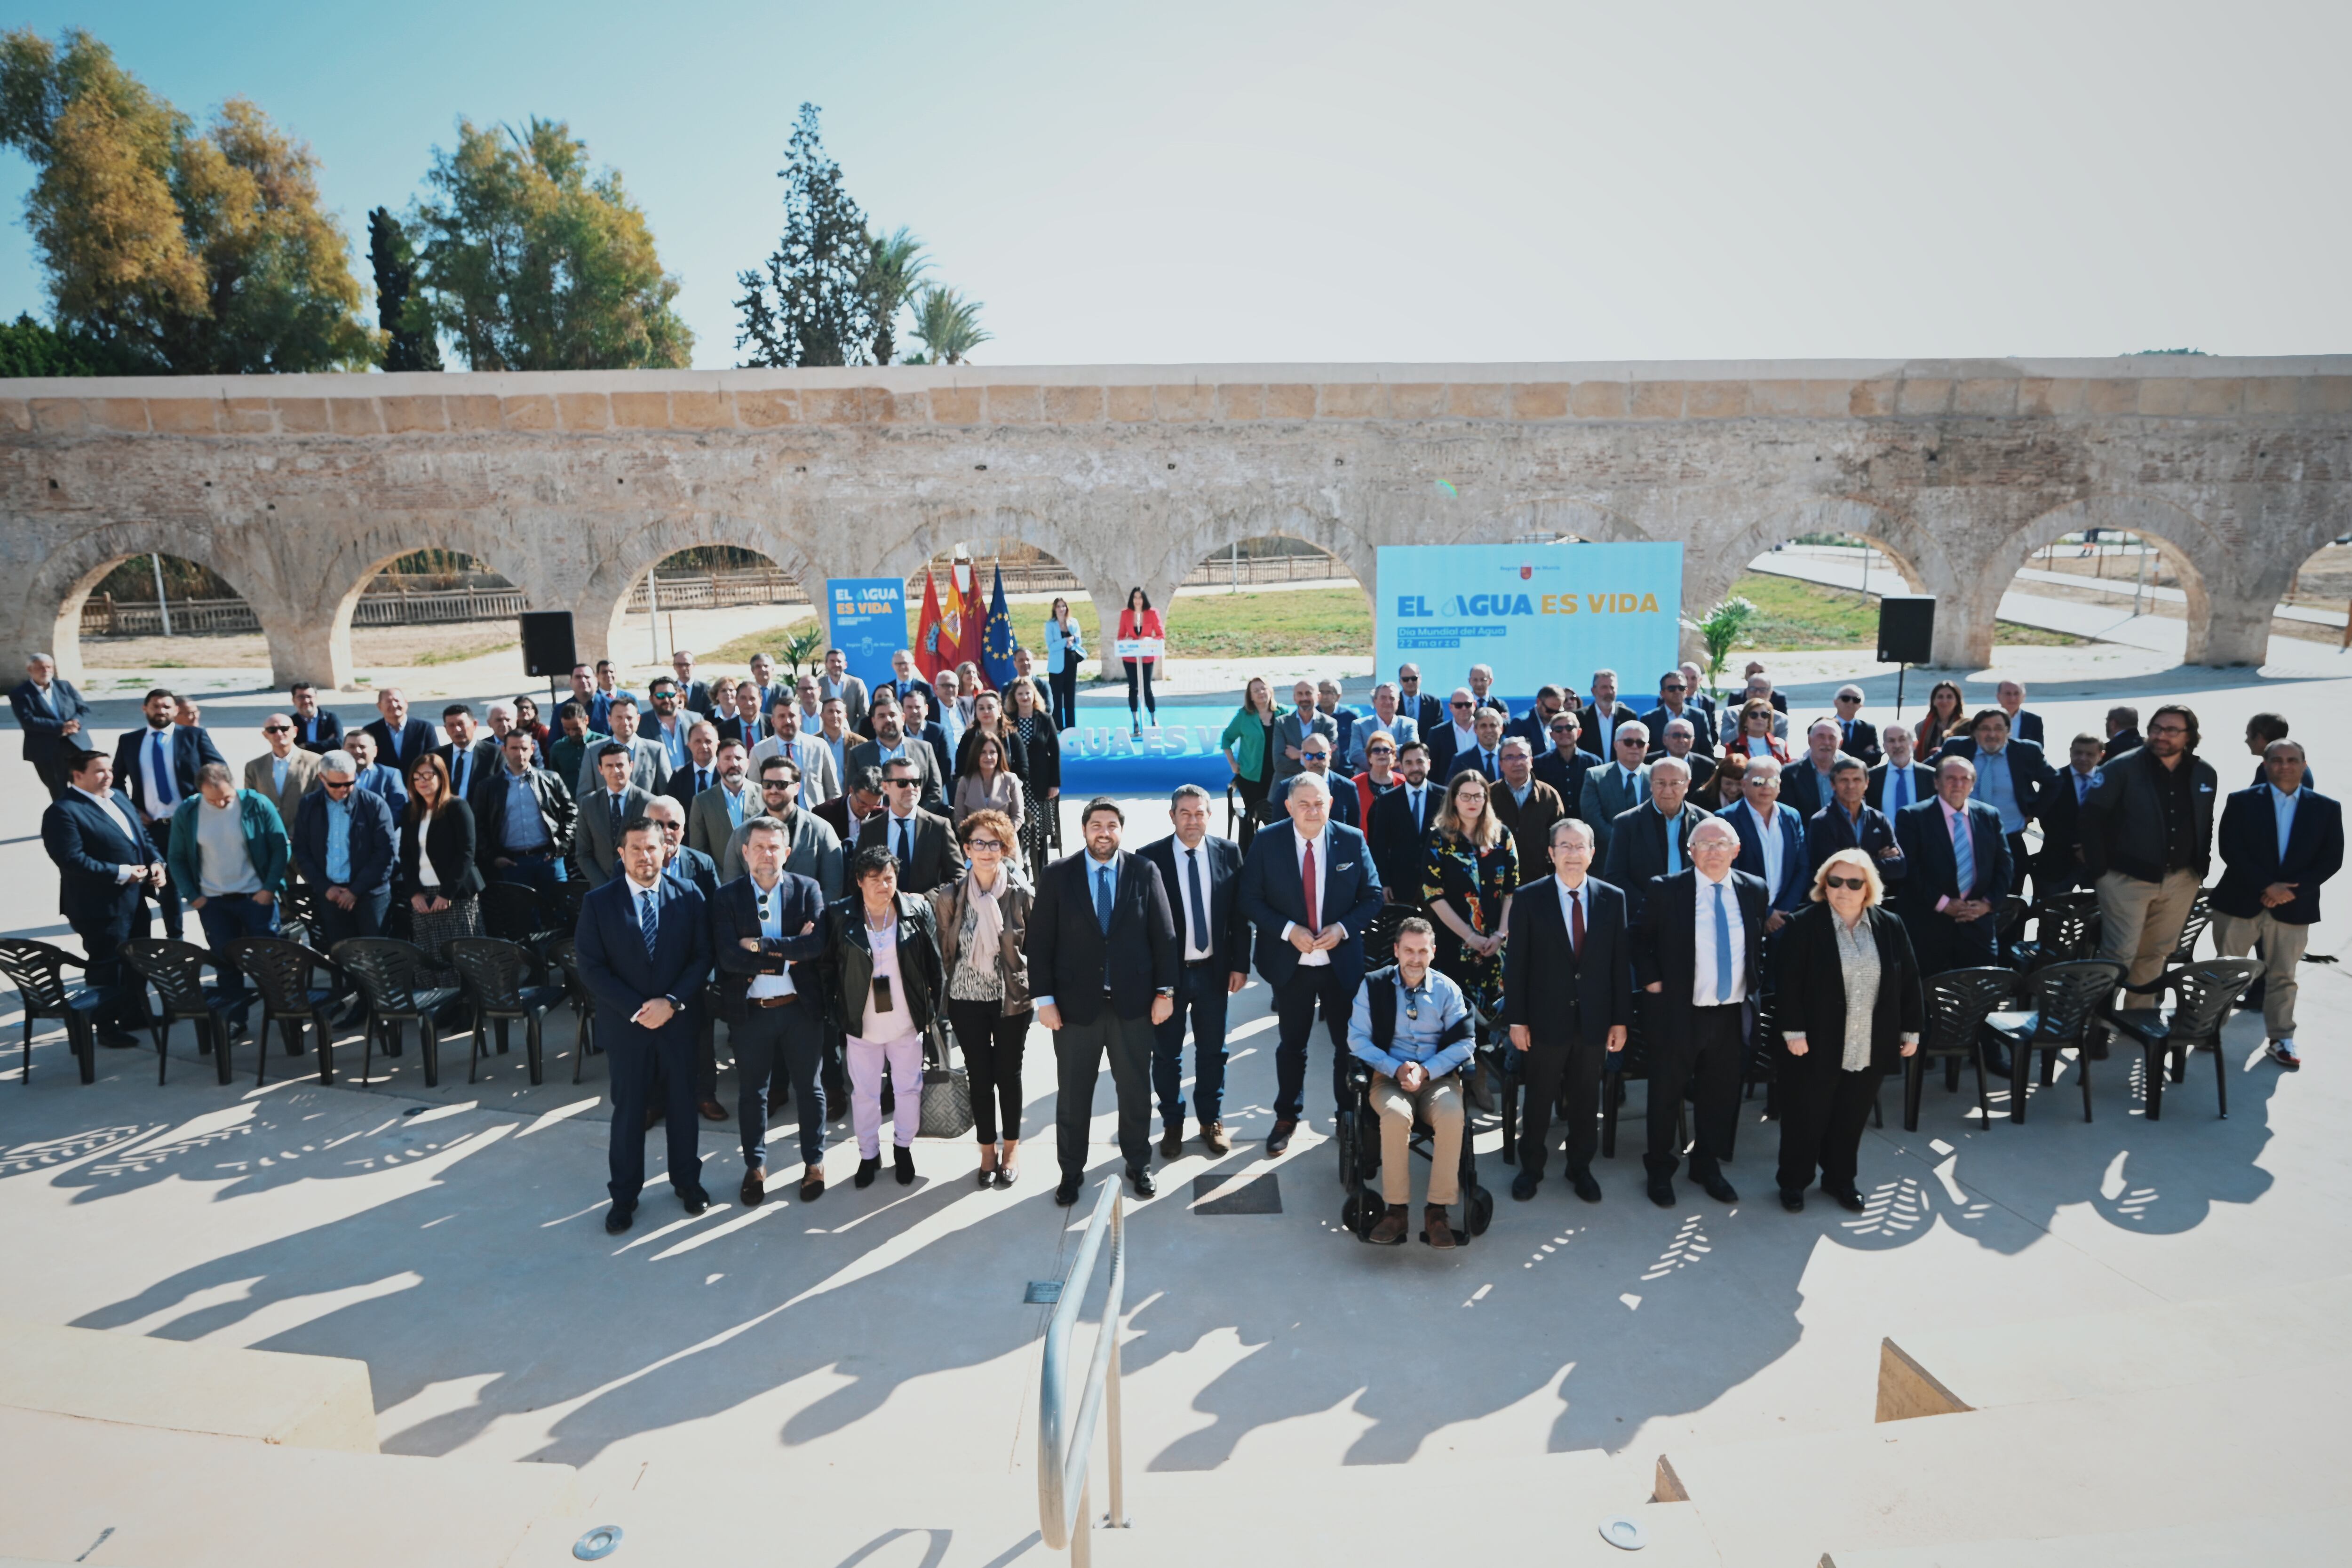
(1214,181)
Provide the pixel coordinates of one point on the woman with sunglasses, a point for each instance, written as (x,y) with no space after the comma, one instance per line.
(1946,717)
(1755,738)
(1852,1007)
(982,918)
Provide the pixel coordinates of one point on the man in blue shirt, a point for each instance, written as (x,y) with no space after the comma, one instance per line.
(522,819)
(2279,842)
(373,776)
(1413,1028)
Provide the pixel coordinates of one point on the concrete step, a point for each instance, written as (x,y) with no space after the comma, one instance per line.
(164,1498)
(2223,1543)
(298,1401)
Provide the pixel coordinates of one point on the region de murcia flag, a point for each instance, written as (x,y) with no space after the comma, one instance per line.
(963,613)
(933,650)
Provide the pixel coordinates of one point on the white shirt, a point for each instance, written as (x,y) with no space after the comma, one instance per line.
(1197,942)
(1775,847)
(1568,899)
(1703,975)
(771,907)
(1604,719)
(1464,740)
(1321,845)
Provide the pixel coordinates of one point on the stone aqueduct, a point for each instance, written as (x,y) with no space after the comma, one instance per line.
(297,490)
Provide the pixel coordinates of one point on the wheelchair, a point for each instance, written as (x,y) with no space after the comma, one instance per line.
(1358,1143)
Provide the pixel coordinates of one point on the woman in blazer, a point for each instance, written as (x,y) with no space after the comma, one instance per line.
(1141,620)
(984,782)
(1248,745)
(1065,646)
(437,877)
(1851,1009)
(983,919)
(883,948)
(1030,720)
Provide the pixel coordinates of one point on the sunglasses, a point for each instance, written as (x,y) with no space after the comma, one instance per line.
(331,783)
(1673,686)
(277,729)
(1379,751)
(1563,729)
(774,786)
(1855,884)
(1457,704)
(901,784)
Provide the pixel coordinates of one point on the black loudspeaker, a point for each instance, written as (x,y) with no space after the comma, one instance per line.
(1907,629)
(547,642)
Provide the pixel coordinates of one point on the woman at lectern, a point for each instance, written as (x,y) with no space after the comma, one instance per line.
(1140,622)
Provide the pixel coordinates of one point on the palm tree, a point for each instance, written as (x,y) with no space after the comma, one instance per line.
(949,325)
(894,267)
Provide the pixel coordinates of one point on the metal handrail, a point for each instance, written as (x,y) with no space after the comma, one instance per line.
(1064,1512)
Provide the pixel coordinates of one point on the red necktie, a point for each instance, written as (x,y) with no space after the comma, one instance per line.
(1307,872)
(1576,925)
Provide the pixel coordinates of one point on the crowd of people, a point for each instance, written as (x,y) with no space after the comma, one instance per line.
(1464,895)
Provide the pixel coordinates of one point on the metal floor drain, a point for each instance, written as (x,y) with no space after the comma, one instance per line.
(1042,1293)
(1223,1194)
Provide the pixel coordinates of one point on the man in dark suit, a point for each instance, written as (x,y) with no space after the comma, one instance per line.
(644,943)
(1652,840)
(692,694)
(1673,702)
(2025,726)
(53,716)
(1103,957)
(2059,867)
(1681,743)
(1568,999)
(400,740)
(1771,841)
(765,940)
(1315,753)
(2011,776)
(2279,842)
(1565,764)
(523,819)
(1857,736)
(1849,823)
(1201,874)
(1597,723)
(1949,906)
(1805,778)
(2123,732)
(316,728)
(1535,724)
(1458,734)
(846,813)
(157,766)
(891,740)
(1311,890)
(1399,832)
(105,862)
(346,846)
(1426,710)
(922,724)
(1699,955)
(1901,781)
(469,755)
(923,845)
(904,680)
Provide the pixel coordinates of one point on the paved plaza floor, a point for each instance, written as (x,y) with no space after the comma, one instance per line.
(866,1364)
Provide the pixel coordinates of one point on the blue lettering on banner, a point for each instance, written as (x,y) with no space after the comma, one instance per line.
(1537,612)
(869,624)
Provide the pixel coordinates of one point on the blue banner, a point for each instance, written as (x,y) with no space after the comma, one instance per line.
(1105,759)
(869,622)
(1542,614)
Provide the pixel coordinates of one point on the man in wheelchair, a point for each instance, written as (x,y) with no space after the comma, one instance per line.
(1412,1027)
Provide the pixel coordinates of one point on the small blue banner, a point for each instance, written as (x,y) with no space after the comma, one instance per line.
(1536,614)
(867,619)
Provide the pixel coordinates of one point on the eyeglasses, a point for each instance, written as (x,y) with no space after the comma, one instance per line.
(1855,884)
(277,729)
(991,844)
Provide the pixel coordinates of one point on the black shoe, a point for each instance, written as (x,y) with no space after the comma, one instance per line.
(902,1163)
(1718,1189)
(1794,1202)
(616,1218)
(1066,1193)
(1172,1141)
(1140,1180)
(1279,1139)
(1586,1187)
(695,1199)
(1662,1192)
(866,1171)
(117,1039)
(1523,1185)
(1848,1199)
(754,1189)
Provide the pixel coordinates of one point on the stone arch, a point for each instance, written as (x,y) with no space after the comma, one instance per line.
(314,643)
(1915,552)
(1571,517)
(1218,531)
(600,606)
(49,605)
(2197,555)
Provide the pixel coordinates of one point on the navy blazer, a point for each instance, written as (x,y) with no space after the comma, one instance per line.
(690,867)
(1860,741)
(321,733)
(416,736)
(87,843)
(2030,774)
(1829,830)
(1566,775)
(1345,806)
(735,915)
(1399,843)
(1923,787)
(1562,996)
(43,737)
(2251,860)
(1273,898)
(1702,732)
(1931,873)
(375,842)
(1795,881)
(191,749)
(2027,726)
(1220,886)
(618,971)
(1588,739)
(1083,969)
(1637,849)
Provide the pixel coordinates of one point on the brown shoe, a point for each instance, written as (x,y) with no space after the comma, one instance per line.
(1439,1233)
(1212,1135)
(1389,1229)
(812,1187)
(713,1112)
(755,1186)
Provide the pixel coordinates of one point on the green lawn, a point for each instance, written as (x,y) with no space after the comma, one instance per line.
(1798,617)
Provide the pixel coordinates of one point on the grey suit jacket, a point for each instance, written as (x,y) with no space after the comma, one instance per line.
(648,772)
(599,849)
(302,771)
(869,754)
(815,852)
(1608,791)
(853,694)
(820,780)
(710,824)
(1289,733)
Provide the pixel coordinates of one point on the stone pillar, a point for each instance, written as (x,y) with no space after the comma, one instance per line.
(306,647)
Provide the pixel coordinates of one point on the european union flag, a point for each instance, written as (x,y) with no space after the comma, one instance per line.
(996,641)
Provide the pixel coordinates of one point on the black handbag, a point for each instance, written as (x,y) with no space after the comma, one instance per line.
(946,1110)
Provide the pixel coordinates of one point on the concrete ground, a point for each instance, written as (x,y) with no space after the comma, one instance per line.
(861,1374)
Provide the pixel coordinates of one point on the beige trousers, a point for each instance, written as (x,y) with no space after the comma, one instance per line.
(2139,922)
(2235,936)
(1439,1103)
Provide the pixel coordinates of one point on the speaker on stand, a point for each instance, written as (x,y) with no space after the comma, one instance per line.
(1907,635)
(547,647)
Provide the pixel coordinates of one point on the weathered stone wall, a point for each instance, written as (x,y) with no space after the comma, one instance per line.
(297,488)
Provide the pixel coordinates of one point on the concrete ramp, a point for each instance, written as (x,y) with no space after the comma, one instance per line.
(296,1401)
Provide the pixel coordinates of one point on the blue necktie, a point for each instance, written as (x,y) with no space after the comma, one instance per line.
(646,921)
(164,795)
(1964,856)
(1200,909)
(1673,846)
(1103,898)
(1899,786)
(1722,941)
(465,764)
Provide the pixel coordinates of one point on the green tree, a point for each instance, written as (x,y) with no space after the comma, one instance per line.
(1718,629)
(395,259)
(948,325)
(810,303)
(526,262)
(894,269)
(166,248)
(29,347)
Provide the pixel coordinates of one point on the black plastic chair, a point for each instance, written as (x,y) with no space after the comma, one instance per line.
(515,912)
(2203,995)
(1959,1002)
(38,971)
(2201,915)
(386,970)
(176,971)
(495,975)
(2066,1001)
(565,955)
(2065,930)
(281,971)
(298,913)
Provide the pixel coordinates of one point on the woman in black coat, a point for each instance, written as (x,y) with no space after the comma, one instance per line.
(437,877)
(1041,745)
(1840,954)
